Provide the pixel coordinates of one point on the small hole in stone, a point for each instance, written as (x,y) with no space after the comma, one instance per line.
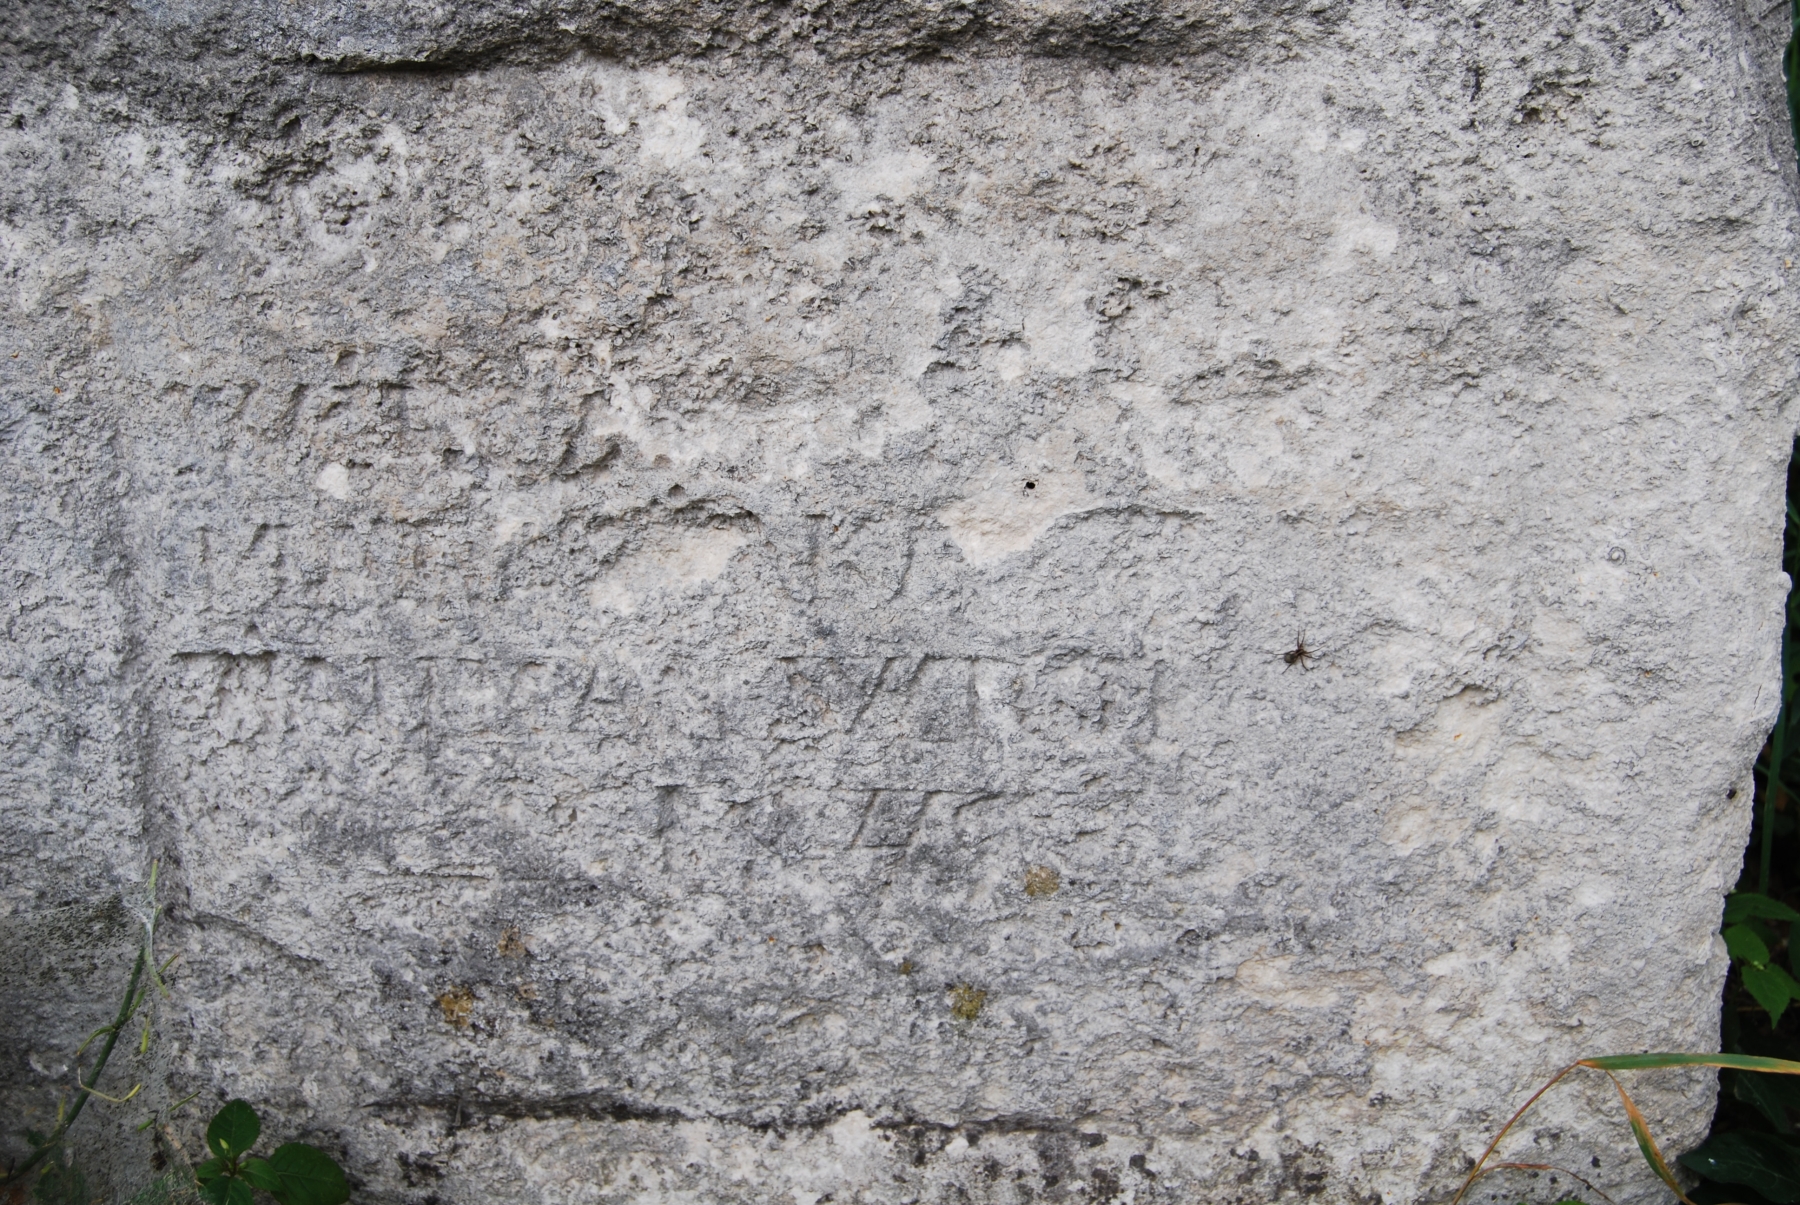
(1031,485)
(675,491)
(1731,793)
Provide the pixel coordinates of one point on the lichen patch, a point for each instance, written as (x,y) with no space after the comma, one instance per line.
(458,1006)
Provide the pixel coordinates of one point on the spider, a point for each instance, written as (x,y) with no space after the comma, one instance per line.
(1299,655)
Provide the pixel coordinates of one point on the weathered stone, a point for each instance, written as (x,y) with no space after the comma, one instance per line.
(701,602)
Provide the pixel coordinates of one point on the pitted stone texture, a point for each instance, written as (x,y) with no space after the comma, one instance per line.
(606,582)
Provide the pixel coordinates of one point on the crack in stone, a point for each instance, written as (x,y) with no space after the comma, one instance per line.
(606,1106)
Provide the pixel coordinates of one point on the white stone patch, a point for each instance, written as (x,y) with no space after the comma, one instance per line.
(685,559)
(1010,362)
(530,513)
(1456,742)
(1059,332)
(854,1136)
(1273,981)
(334,481)
(1016,504)
(1408,828)
(901,408)
(1232,867)
(1453,751)
(1526,788)
(896,175)
(1153,425)
(1359,234)
(671,137)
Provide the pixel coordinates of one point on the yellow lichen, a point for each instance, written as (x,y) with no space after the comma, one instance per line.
(458,1004)
(966,1001)
(1042,881)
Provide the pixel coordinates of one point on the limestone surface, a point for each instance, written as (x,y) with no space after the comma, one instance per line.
(896,602)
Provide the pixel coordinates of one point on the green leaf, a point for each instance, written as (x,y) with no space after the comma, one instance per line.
(1764,1162)
(261,1174)
(1773,988)
(1648,1062)
(1770,1095)
(1742,905)
(1744,945)
(1790,68)
(229,1190)
(233,1130)
(211,1170)
(308,1176)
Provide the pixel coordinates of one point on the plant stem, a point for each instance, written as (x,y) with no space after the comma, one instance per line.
(127,1006)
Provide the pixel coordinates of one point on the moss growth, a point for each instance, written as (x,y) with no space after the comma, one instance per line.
(458,1004)
(966,1002)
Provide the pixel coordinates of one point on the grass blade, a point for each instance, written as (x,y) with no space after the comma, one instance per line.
(1551,1167)
(1640,1129)
(1650,1062)
(1476,1171)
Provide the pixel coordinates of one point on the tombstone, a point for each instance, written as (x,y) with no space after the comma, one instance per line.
(899,601)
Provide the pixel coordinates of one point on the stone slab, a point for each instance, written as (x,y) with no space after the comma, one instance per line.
(703,603)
